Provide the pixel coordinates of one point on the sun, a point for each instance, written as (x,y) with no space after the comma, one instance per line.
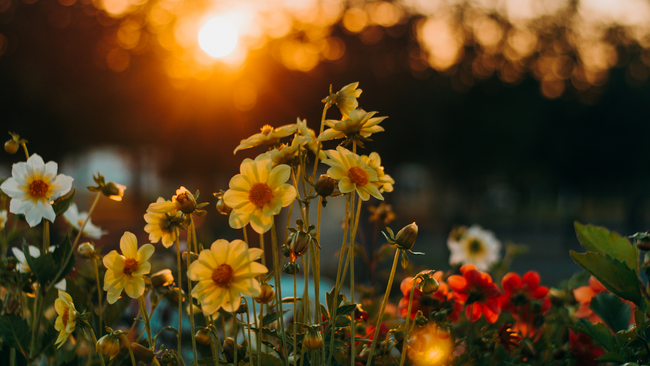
(218,37)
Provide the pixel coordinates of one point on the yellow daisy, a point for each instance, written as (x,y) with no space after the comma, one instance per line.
(67,319)
(345,99)
(183,200)
(384,181)
(269,136)
(307,137)
(358,123)
(161,226)
(258,193)
(352,173)
(124,272)
(224,273)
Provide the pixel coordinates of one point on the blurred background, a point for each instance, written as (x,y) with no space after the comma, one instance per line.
(518,115)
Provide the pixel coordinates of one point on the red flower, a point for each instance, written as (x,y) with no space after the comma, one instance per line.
(521,297)
(584,350)
(477,292)
(583,295)
(441,299)
(383,331)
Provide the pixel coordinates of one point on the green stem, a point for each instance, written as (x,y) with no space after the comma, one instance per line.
(278,292)
(46,236)
(99,295)
(92,335)
(322,127)
(12,357)
(216,340)
(315,253)
(295,320)
(145,318)
(250,340)
(383,307)
(234,325)
(37,313)
(128,346)
(189,293)
(353,327)
(258,338)
(213,349)
(406,325)
(25,148)
(179,261)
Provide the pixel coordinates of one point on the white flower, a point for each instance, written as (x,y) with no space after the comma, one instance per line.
(473,246)
(34,252)
(3,219)
(33,186)
(76,219)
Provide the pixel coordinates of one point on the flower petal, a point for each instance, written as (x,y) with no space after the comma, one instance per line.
(129,245)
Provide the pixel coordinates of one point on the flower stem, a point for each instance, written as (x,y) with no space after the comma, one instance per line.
(180,294)
(295,320)
(25,148)
(145,318)
(99,295)
(315,254)
(234,325)
(383,307)
(189,294)
(46,236)
(258,338)
(250,340)
(406,325)
(278,292)
(353,325)
(37,315)
(89,329)
(128,346)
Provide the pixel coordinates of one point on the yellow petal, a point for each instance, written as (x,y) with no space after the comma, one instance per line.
(145,252)
(134,286)
(129,245)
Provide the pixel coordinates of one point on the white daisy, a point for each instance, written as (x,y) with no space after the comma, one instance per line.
(34,252)
(76,219)
(33,186)
(473,246)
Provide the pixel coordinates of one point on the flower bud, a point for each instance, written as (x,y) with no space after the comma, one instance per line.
(325,185)
(421,320)
(242,309)
(406,237)
(172,295)
(169,358)
(193,257)
(291,268)
(185,201)
(10,302)
(300,242)
(12,146)
(313,339)
(111,189)
(223,208)
(86,250)
(266,294)
(162,278)
(109,345)
(203,336)
(286,249)
(428,285)
(142,353)
(229,350)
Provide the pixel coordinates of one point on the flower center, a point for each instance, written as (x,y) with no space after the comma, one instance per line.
(38,188)
(222,275)
(475,296)
(129,266)
(266,129)
(358,175)
(475,246)
(260,194)
(80,222)
(65,317)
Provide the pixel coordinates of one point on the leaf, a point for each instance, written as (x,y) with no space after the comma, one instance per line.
(62,204)
(271,317)
(289,300)
(345,309)
(611,357)
(598,239)
(598,333)
(59,256)
(404,260)
(611,310)
(14,331)
(617,277)
(42,266)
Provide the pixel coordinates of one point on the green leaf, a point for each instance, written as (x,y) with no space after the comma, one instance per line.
(42,266)
(599,333)
(59,256)
(15,332)
(61,205)
(611,357)
(404,260)
(611,310)
(617,277)
(271,317)
(598,239)
(345,309)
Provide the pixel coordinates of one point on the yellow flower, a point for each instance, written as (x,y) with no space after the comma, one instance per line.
(352,173)
(67,320)
(124,272)
(358,123)
(161,226)
(225,272)
(33,186)
(183,201)
(284,154)
(384,181)
(269,136)
(345,99)
(307,137)
(258,193)
(109,345)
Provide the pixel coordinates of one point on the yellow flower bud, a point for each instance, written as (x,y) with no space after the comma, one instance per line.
(266,294)
(109,345)
(313,339)
(162,278)
(203,336)
(428,285)
(300,242)
(223,208)
(406,237)
(325,185)
(142,353)
(86,250)
(12,146)
(184,200)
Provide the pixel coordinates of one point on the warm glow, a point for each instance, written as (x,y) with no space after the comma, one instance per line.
(218,37)
(433,355)
(428,348)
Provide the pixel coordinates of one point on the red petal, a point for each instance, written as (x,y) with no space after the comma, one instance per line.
(596,285)
(467,267)
(531,280)
(473,312)
(491,311)
(540,292)
(457,283)
(405,286)
(510,283)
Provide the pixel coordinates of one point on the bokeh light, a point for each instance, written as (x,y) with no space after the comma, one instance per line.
(218,37)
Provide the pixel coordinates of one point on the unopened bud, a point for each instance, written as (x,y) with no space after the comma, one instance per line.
(406,237)
(266,294)
(142,353)
(193,257)
(325,185)
(111,189)
(172,295)
(313,339)
(162,278)
(286,249)
(12,146)
(428,285)
(223,208)
(169,358)
(86,250)
(203,336)
(229,350)
(300,242)
(421,320)
(291,268)
(185,201)
(10,302)
(242,309)
(109,345)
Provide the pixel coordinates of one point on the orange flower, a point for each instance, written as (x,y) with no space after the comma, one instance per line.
(439,300)
(477,292)
(584,295)
(525,299)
